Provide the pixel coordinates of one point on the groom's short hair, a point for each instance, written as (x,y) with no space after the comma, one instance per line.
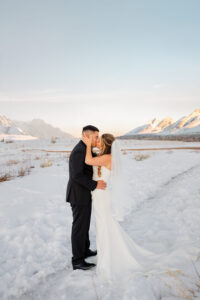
(89,127)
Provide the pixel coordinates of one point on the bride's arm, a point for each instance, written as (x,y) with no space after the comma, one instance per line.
(102,160)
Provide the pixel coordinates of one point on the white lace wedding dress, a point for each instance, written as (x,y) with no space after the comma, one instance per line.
(118,256)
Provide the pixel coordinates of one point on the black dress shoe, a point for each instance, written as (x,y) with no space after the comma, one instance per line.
(90,253)
(83,265)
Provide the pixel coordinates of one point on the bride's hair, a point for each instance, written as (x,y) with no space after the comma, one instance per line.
(106,139)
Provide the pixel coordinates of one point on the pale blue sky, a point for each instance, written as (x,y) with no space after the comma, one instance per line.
(114,64)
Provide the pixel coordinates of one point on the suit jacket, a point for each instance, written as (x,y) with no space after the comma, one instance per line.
(80,182)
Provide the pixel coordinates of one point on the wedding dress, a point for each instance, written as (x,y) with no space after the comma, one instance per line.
(118,256)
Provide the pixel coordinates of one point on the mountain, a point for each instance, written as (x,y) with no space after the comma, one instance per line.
(186,125)
(7,127)
(36,128)
(152,126)
(148,127)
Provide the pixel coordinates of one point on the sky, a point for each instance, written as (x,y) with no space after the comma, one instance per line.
(113,64)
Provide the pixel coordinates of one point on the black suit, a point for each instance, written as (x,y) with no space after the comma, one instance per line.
(78,193)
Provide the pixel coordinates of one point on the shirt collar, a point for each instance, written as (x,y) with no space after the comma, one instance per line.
(82,143)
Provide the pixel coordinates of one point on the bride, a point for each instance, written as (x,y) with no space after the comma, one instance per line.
(118,255)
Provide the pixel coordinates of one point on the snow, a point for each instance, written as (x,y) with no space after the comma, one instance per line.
(35,224)
(15,137)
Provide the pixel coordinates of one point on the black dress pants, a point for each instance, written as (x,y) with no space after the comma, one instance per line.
(80,231)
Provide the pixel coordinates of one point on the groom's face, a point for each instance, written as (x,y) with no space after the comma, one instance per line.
(95,137)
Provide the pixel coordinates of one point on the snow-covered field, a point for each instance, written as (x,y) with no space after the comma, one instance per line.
(35,223)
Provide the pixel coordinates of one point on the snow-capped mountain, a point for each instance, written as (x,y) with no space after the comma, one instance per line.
(35,128)
(152,126)
(148,127)
(7,127)
(186,125)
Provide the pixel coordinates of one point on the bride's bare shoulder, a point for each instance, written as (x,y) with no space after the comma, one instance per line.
(107,160)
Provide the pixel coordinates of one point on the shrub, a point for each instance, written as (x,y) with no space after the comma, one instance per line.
(21,172)
(46,163)
(5,177)
(140,157)
(53,140)
(37,158)
(12,162)
(9,141)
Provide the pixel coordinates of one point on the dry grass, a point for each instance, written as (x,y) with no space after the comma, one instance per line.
(183,292)
(169,151)
(26,160)
(9,141)
(19,173)
(181,288)
(5,177)
(23,171)
(12,162)
(46,163)
(37,158)
(53,140)
(140,156)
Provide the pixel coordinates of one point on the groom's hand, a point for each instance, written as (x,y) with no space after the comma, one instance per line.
(101,185)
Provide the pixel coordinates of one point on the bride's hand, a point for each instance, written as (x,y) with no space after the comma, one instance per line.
(86,140)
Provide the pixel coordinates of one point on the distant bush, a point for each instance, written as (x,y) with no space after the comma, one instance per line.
(9,141)
(46,163)
(2,140)
(139,156)
(37,158)
(13,162)
(53,140)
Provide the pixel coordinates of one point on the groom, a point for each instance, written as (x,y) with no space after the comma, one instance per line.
(78,193)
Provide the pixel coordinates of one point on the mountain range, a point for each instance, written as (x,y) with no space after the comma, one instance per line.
(36,128)
(186,125)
